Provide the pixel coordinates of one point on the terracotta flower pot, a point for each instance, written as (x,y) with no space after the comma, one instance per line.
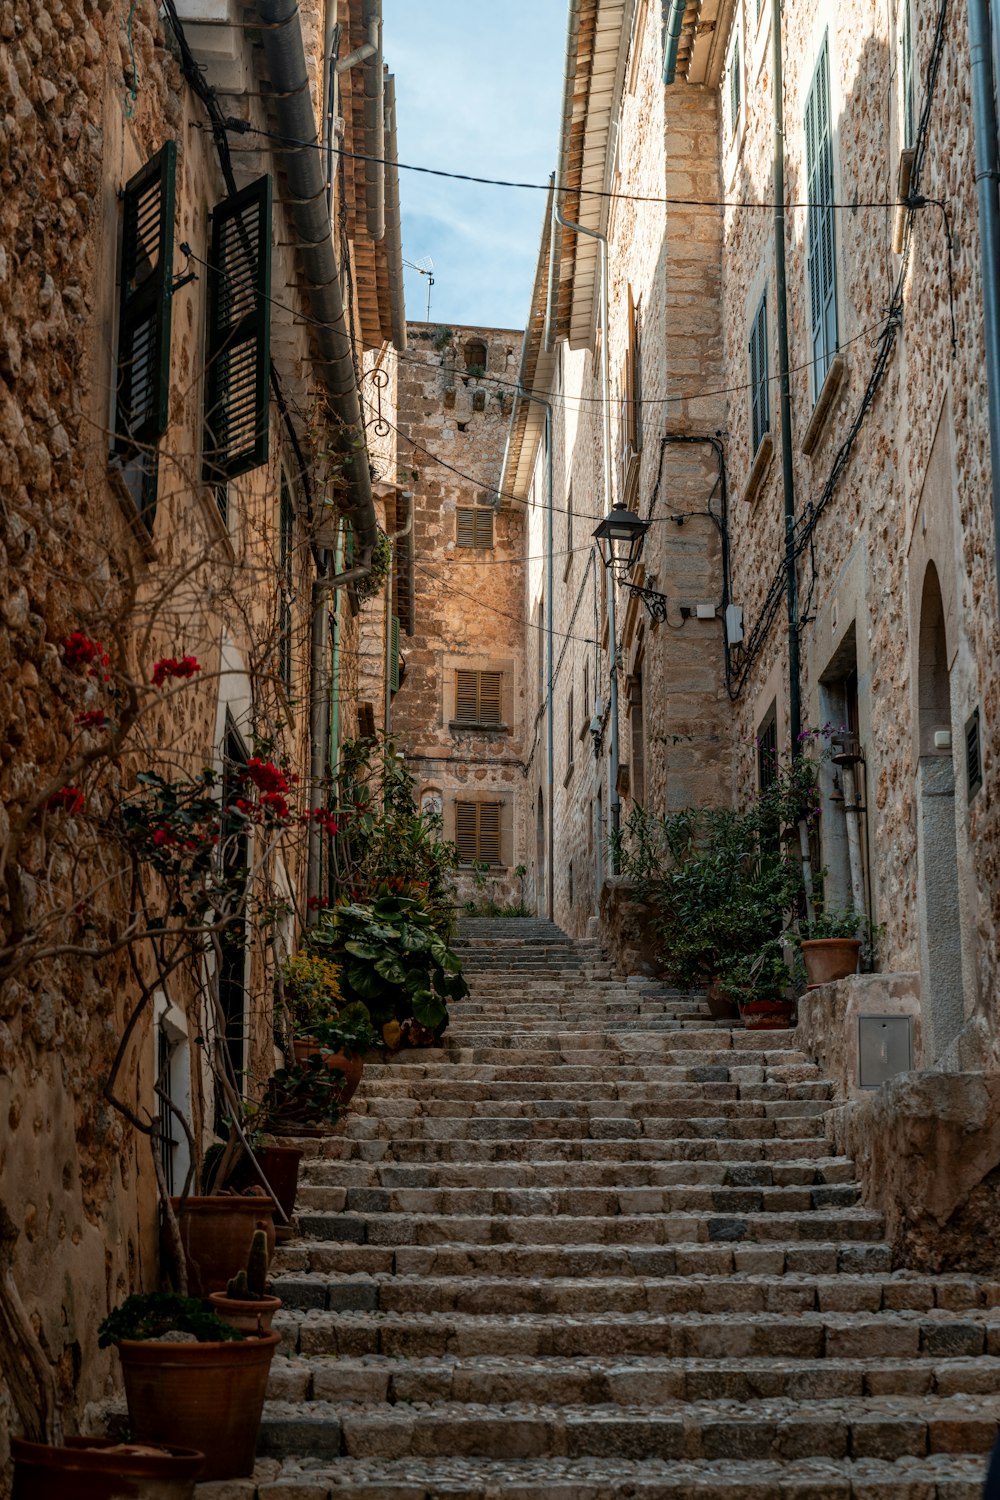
(352,1067)
(827,959)
(206,1395)
(280,1165)
(216,1234)
(249,1316)
(767,1015)
(101,1469)
(719,1007)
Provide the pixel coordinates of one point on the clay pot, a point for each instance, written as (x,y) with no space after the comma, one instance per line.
(209,1395)
(767,1015)
(216,1233)
(352,1067)
(249,1316)
(280,1165)
(89,1469)
(827,959)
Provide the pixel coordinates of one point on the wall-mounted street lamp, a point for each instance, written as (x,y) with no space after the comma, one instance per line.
(625,533)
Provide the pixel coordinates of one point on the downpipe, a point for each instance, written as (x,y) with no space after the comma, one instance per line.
(984,44)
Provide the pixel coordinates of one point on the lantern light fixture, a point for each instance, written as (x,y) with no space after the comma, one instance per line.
(625,532)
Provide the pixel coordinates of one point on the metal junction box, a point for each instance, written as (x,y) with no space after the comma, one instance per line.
(885,1048)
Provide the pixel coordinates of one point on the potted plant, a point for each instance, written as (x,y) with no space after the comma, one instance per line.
(342,1043)
(102,1469)
(191,1379)
(761,985)
(216,1232)
(246,1304)
(831,946)
(302,1099)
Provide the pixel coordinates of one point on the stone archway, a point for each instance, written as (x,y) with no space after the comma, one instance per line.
(941,987)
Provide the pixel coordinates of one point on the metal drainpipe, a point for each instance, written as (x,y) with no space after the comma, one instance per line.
(787,475)
(614,799)
(984,116)
(549,585)
(319,695)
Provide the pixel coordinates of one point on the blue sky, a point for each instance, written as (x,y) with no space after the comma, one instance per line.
(478,89)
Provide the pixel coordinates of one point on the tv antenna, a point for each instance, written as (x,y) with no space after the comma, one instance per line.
(424,267)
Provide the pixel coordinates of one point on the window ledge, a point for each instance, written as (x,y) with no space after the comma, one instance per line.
(469,726)
(824,403)
(759,468)
(902,214)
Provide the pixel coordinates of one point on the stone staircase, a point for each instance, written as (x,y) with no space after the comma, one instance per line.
(597,1246)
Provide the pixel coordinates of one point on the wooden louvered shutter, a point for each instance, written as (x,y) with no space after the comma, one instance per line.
(467,697)
(908,95)
(239,291)
(394,654)
(147,275)
(483,521)
(760,406)
(489,832)
(490,698)
(822,269)
(466,527)
(474,526)
(466,831)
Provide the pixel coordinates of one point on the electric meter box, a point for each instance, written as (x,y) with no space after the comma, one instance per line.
(885,1048)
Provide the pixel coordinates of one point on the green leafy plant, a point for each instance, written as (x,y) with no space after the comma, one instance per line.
(350,1033)
(831,924)
(311,991)
(302,1094)
(381,561)
(149,1315)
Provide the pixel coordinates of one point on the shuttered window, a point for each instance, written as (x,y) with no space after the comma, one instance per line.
(907,70)
(239,290)
(286,586)
(734,81)
(475,527)
(477,832)
(394,654)
(637,730)
(570,737)
(146,299)
(760,403)
(479,697)
(822,266)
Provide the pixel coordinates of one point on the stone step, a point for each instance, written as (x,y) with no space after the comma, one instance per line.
(723,1258)
(894,1335)
(750,1147)
(373,1227)
(629,1174)
(939,1477)
(410,1066)
(577,1201)
(730,1099)
(715,1119)
(640,1092)
(874,1427)
(625,1380)
(649,1294)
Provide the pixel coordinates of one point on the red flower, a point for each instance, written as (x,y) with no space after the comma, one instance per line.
(162,836)
(274,804)
(317,903)
(325,819)
(171,666)
(80,651)
(266,776)
(94,718)
(68,799)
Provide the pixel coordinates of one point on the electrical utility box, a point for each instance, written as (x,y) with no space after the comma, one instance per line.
(885,1048)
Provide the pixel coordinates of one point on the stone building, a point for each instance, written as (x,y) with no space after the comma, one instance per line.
(459,713)
(659,316)
(191,320)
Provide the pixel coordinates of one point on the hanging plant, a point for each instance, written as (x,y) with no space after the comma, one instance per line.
(374,582)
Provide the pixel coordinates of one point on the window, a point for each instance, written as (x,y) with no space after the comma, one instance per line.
(477,832)
(767,751)
(638,737)
(760,403)
(586,689)
(907,75)
(474,527)
(630,414)
(474,354)
(395,676)
(568,560)
(822,267)
(734,84)
(286,585)
(478,697)
(973,755)
(143,380)
(540,638)
(237,380)
(569,732)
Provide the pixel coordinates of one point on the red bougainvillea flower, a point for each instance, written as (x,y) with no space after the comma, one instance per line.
(80,651)
(266,776)
(172,666)
(163,836)
(325,819)
(94,718)
(68,799)
(275,806)
(317,903)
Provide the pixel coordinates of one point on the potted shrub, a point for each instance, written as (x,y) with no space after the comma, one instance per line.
(831,946)
(190,1379)
(760,984)
(342,1043)
(302,1099)
(246,1304)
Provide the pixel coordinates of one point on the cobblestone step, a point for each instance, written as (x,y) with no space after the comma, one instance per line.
(702,1119)
(578,1202)
(414,1068)
(940,1477)
(750,1147)
(559,1173)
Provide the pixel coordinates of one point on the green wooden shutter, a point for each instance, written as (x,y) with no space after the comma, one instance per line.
(760,405)
(147,275)
(394,654)
(238,374)
(822,266)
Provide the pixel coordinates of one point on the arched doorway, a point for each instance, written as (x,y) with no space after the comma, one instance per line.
(941,986)
(540,888)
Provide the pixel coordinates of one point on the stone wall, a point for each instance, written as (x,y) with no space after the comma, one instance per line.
(469,601)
